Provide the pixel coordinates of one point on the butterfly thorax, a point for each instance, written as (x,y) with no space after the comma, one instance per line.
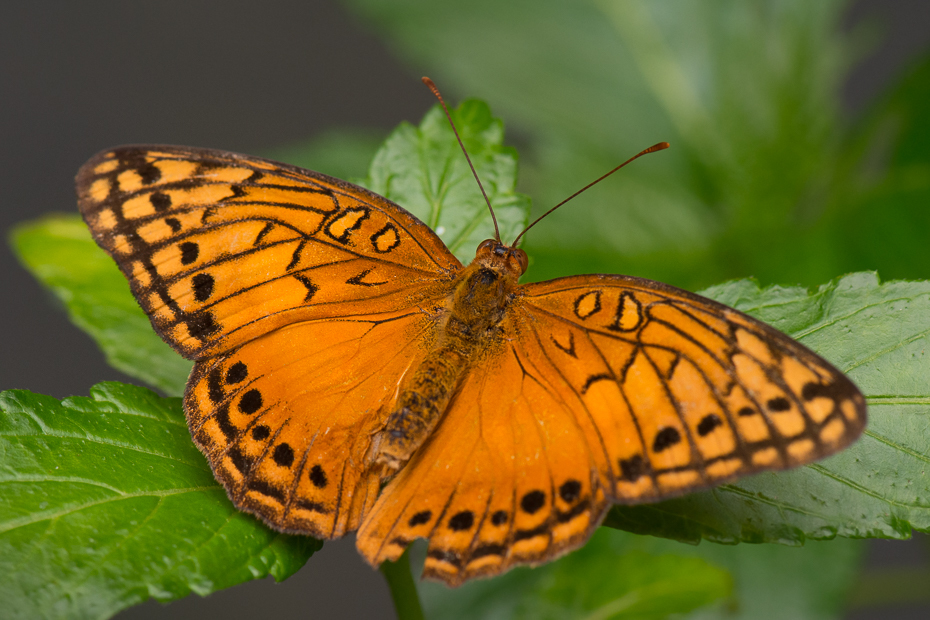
(480,296)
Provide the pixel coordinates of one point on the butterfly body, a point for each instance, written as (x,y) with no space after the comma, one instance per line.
(351,374)
(479,298)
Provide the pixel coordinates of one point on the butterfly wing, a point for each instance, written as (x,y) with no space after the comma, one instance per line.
(604,389)
(688,393)
(220,248)
(301,297)
(508,477)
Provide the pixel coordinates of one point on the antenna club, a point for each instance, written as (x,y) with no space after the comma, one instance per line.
(430,85)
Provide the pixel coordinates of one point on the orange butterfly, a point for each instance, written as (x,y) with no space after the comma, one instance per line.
(340,346)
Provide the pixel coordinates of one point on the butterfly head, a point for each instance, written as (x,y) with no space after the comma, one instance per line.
(495,254)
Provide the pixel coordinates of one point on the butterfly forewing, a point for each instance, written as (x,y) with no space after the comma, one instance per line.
(220,248)
(691,392)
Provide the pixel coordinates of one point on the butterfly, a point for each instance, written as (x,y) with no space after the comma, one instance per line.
(351,374)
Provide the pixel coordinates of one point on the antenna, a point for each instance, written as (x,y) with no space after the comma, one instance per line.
(652,149)
(432,87)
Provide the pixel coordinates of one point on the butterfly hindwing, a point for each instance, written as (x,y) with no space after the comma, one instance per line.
(221,248)
(287,419)
(508,478)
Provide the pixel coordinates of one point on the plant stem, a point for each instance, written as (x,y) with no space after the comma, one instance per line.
(403,589)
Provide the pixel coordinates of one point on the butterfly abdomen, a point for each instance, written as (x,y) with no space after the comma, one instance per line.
(480,297)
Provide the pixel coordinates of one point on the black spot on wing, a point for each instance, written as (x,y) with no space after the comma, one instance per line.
(265,488)
(283,455)
(237,373)
(160,201)
(189,251)
(778,404)
(533,501)
(202,325)
(239,460)
(570,491)
(203,286)
(443,555)
(250,402)
(149,173)
(666,438)
(488,549)
(633,468)
(420,518)
(215,386)
(224,423)
(707,424)
(318,477)
(462,521)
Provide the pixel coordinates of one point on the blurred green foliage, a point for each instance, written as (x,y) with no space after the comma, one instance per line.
(767,176)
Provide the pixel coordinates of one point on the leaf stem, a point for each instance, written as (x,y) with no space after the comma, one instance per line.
(403,589)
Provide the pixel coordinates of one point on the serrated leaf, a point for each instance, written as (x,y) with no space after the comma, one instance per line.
(423,170)
(611,577)
(878,487)
(59,251)
(105,502)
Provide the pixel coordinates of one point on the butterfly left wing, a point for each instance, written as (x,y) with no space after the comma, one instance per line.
(604,389)
(302,299)
(220,248)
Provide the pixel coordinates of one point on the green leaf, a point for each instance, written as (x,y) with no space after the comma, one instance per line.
(423,170)
(105,502)
(60,252)
(880,486)
(611,577)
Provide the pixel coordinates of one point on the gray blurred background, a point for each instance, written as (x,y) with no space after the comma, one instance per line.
(78,77)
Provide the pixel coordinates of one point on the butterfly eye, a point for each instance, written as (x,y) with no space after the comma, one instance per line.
(520,257)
